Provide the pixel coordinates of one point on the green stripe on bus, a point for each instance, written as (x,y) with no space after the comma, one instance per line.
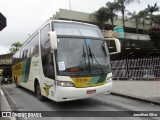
(25,70)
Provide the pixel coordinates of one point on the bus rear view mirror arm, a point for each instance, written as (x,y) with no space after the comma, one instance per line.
(115,44)
(53,40)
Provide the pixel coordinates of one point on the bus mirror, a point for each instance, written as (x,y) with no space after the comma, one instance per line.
(114,45)
(53,40)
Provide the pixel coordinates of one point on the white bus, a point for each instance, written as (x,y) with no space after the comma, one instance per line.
(63,61)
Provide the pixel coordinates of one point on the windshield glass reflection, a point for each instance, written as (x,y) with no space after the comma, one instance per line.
(78,56)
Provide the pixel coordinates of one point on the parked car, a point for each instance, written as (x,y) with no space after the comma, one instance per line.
(6,80)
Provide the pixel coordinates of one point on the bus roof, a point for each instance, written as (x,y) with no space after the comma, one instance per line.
(70,21)
(50,21)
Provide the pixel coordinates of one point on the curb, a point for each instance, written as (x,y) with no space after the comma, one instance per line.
(136,98)
(5,106)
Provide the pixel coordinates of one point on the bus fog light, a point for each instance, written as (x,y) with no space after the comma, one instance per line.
(109,80)
(65,83)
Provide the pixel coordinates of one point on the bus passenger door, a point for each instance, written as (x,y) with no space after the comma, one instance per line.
(49,75)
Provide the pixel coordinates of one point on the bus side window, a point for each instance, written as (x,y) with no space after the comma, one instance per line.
(48,66)
(47,57)
(34,45)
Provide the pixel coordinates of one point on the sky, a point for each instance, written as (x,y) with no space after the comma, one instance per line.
(26,16)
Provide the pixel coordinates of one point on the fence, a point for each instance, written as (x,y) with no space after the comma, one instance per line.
(147,68)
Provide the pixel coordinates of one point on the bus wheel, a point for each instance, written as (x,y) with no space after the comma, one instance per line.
(38,92)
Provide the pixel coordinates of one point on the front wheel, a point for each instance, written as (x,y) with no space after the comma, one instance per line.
(38,92)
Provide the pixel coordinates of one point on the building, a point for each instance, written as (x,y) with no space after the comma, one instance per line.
(5,64)
(89,18)
(139,59)
(130,41)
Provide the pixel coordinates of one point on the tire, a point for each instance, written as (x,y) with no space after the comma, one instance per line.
(38,92)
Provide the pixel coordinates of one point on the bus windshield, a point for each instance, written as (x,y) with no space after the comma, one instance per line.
(78,56)
(81,49)
(74,29)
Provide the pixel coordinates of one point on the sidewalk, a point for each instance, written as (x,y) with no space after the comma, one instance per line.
(144,90)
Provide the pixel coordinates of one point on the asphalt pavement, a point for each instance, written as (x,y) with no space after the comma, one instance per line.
(148,91)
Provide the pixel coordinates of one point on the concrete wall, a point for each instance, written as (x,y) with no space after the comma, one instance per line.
(88,17)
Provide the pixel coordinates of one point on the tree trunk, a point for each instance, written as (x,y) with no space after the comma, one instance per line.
(112,22)
(143,28)
(151,19)
(136,25)
(123,20)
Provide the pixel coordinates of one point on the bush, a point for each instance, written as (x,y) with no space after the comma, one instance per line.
(154,34)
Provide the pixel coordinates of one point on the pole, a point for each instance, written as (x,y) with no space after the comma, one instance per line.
(70,8)
(70,5)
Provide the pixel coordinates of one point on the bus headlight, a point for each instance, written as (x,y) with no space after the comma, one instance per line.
(65,83)
(109,80)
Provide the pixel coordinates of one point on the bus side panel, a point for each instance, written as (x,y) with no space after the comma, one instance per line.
(35,71)
(26,70)
(17,72)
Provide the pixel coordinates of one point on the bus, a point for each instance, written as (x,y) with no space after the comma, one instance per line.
(64,61)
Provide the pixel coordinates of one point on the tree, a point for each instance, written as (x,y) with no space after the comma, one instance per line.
(111,9)
(121,6)
(143,15)
(135,16)
(156,19)
(15,47)
(151,10)
(102,16)
(138,16)
(154,34)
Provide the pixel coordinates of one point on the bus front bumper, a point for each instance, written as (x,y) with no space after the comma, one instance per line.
(72,93)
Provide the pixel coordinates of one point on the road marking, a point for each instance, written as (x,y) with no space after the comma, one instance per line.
(10,96)
(12,118)
(2,92)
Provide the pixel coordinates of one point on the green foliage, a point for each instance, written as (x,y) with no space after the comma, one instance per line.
(101,15)
(156,19)
(15,47)
(151,10)
(121,6)
(111,9)
(154,34)
(138,16)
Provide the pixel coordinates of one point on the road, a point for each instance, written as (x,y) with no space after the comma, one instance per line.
(21,99)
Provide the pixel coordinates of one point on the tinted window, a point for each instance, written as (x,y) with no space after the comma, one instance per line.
(47,57)
(28,49)
(35,45)
(16,58)
(45,43)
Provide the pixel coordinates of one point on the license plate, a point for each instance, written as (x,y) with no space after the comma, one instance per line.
(91,91)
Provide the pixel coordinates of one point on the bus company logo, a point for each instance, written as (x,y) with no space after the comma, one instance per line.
(46,88)
(6,114)
(35,63)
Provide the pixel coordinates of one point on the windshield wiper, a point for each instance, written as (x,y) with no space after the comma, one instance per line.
(91,55)
(103,48)
(84,55)
(83,60)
